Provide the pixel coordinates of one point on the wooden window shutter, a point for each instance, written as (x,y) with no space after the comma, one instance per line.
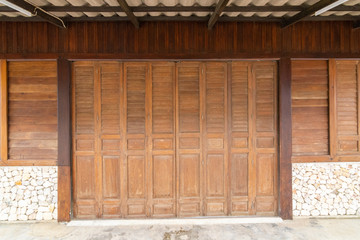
(347,107)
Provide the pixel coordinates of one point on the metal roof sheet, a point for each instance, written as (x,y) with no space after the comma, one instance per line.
(187,3)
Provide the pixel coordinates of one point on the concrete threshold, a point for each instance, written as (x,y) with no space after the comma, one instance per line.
(174,221)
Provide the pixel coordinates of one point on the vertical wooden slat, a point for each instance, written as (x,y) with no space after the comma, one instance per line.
(229,138)
(252,132)
(332,108)
(64,140)
(358,101)
(285,138)
(3,118)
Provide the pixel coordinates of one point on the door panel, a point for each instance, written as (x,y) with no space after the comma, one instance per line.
(161,132)
(135,79)
(188,150)
(164,139)
(215,138)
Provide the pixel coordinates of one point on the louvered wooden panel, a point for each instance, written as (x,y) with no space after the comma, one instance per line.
(310,111)
(167,140)
(135,79)
(32,111)
(264,138)
(347,100)
(239,138)
(162,140)
(188,145)
(215,139)
(84,141)
(110,142)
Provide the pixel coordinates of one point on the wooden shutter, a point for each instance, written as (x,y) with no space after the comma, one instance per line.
(239,137)
(188,149)
(109,137)
(136,111)
(264,138)
(215,152)
(32,117)
(85,164)
(161,134)
(347,106)
(310,108)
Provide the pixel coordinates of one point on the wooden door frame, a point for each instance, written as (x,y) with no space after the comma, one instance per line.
(284,147)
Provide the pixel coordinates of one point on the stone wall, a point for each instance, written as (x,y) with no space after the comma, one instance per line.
(28,193)
(326,189)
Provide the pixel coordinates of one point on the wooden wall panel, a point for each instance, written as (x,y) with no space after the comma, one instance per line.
(32,112)
(178,40)
(310,107)
(347,107)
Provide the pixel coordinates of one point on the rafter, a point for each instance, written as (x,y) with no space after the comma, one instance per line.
(37,11)
(179,8)
(125,7)
(216,14)
(306,13)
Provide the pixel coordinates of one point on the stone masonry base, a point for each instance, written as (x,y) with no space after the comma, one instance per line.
(28,193)
(326,189)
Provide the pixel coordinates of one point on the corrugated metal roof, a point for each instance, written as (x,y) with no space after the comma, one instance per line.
(186,3)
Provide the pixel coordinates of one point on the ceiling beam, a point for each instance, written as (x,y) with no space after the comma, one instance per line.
(231,8)
(178,18)
(216,14)
(37,11)
(125,7)
(306,13)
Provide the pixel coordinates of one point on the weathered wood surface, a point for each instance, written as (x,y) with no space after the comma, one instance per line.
(32,109)
(178,40)
(126,117)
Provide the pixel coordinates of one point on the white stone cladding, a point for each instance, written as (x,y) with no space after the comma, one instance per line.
(28,193)
(326,189)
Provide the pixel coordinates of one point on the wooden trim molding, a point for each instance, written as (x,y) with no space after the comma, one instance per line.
(285,139)
(3,112)
(332,108)
(64,140)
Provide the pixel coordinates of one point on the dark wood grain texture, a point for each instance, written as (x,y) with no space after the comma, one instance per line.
(64,135)
(285,138)
(64,193)
(64,140)
(178,40)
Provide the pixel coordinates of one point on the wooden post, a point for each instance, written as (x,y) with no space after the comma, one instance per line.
(64,140)
(332,109)
(285,139)
(3,112)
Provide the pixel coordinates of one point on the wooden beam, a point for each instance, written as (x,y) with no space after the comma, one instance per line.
(216,14)
(332,108)
(129,13)
(64,140)
(177,18)
(306,13)
(231,8)
(285,138)
(3,112)
(36,11)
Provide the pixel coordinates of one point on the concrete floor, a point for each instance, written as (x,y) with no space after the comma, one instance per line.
(301,228)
